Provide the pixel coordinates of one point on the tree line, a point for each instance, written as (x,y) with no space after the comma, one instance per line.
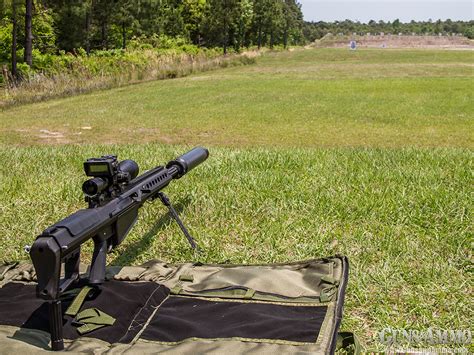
(52,26)
(316,30)
(29,28)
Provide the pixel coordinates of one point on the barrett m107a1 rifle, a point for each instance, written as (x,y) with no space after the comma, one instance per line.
(114,194)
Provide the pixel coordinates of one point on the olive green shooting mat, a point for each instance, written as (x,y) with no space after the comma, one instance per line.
(184,308)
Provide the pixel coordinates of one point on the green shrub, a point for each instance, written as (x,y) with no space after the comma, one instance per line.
(66,73)
(24,70)
(44,37)
(469,32)
(5,41)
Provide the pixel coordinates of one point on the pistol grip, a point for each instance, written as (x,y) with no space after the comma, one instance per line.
(99,258)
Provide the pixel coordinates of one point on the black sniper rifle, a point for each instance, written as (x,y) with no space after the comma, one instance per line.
(114,194)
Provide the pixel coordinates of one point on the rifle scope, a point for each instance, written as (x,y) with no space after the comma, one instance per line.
(107,171)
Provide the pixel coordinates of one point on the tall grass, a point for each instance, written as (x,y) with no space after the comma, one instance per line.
(85,74)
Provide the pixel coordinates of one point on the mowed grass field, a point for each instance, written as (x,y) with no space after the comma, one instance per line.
(310,98)
(313,153)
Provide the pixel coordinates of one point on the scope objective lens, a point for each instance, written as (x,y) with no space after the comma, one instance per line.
(94,186)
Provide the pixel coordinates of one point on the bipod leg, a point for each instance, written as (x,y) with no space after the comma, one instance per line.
(56,325)
(166,201)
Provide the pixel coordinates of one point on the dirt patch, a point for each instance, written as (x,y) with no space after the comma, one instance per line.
(397,41)
(50,134)
(52,137)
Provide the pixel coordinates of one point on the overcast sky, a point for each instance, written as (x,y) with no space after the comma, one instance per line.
(405,10)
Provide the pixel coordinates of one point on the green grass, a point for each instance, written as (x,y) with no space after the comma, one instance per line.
(307,160)
(307,98)
(402,216)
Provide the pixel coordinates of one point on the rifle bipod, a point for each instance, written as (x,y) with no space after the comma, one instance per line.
(166,201)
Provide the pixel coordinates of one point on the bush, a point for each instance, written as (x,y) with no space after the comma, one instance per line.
(5,41)
(67,73)
(24,71)
(469,32)
(142,53)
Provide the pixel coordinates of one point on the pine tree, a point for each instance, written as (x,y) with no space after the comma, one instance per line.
(28,32)
(14,38)
(221,20)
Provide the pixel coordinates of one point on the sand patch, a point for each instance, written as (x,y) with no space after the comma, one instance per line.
(52,137)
